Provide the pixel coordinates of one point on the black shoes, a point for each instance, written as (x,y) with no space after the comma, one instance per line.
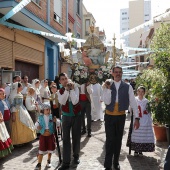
(83,132)
(76,161)
(64,167)
(108,168)
(38,167)
(89,134)
(116,166)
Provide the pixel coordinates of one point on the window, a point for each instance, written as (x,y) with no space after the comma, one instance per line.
(87,26)
(58,11)
(124,18)
(36,1)
(124,13)
(78,6)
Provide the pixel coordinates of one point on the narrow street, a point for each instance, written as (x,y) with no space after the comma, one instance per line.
(91,155)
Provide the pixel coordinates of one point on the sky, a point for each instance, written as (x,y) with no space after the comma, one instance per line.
(107,13)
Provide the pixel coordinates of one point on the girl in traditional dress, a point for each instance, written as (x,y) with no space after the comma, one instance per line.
(31,104)
(44,91)
(5,141)
(36,86)
(22,126)
(142,139)
(47,140)
(5,109)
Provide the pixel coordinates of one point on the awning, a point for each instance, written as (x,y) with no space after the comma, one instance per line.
(27,19)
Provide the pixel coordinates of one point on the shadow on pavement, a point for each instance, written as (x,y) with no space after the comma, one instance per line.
(84,143)
(144,162)
(102,155)
(32,154)
(17,151)
(96,125)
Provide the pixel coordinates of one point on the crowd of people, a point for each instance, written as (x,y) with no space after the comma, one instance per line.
(28,111)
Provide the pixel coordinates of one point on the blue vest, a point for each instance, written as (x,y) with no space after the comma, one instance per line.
(123,97)
(42,124)
(2,106)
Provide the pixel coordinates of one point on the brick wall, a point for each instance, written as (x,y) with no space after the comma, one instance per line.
(71,8)
(41,12)
(78,24)
(38,10)
(55,24)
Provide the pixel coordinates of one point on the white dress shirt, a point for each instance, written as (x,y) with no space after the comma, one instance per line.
(72,95)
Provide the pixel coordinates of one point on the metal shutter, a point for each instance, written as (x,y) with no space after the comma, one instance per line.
(6,59)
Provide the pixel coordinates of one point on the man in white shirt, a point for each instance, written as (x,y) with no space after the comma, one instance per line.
(68,97)
(117,96)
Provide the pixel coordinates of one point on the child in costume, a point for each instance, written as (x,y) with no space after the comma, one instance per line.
(5,141)
(45,125)
(142,139)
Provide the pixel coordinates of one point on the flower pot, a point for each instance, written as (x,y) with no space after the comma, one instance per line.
(168,133)
(160,133)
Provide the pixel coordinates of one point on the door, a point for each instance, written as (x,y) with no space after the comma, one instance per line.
(29,69)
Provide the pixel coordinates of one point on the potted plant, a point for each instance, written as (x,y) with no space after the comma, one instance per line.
(157,81)
(161,47)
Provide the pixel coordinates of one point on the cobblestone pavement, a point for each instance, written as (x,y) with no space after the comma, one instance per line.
(91,155)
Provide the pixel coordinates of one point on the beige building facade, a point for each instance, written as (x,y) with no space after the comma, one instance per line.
(139,12)
(20,48)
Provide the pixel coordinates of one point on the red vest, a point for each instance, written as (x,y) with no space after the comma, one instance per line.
(65,108)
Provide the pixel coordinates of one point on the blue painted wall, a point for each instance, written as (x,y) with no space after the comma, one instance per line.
(51,59)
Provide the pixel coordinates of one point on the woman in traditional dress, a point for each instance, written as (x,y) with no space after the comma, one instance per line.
(142,139)
(36,86)
(44,91)
(22,126)
(5,109)
(5,141)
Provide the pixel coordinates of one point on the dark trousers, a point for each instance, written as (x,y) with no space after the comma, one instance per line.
(114,127)
(86,109)
(71,124)
(55,112)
